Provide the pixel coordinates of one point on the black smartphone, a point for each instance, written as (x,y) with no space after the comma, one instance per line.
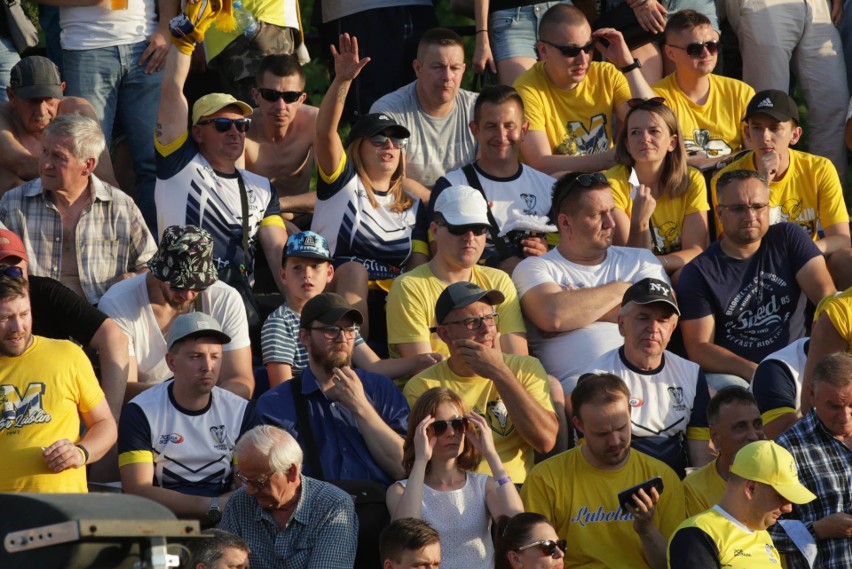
(625,497)
(603,41)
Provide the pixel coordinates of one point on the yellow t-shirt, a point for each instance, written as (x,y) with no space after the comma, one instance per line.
(43,392)
(581,502)
(282,13)
(809,194)
(411,306)
(716,126)
(667,219)
(484,398)
(737,547)
(578,121)
(839,310)
(703,488)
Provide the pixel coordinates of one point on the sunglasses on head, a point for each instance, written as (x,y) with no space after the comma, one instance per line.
(585,180)
(459,425)
(651,102)
(224,125)
(459,230)
(571,50)
(547,546)
(272,95)
(380,140)
(696,49)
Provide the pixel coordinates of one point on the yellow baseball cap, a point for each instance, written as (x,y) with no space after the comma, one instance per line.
(209,104)
(773,465)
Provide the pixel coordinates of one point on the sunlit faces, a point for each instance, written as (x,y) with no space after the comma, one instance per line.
(439,71)
(450,443)
(457,251)
(34,114)
(647,329)
(704,63)
(427,557)
(58,168)
(380,161)
(329,353)
(220,146)
(534,557)
(767,506)
(279,112)
(737,425)
(834,407)
(232,558)
(591,225)
(16,325)
(565,72)
(499,131)
(767,134)
(648,137)
(453,327)
(305,278)
(279,488)
(179,299)
(606,429)
(744,210)
(196,363)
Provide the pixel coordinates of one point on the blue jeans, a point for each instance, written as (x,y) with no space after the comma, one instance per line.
(112,80)
(8,58)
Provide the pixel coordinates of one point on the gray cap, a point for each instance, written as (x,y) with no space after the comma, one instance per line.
(36,77)
(459,295)
(196,325)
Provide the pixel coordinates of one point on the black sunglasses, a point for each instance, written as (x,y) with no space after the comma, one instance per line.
(696,49)
(224,125)
(585,180)
(547,546)
(458,424)
(650,102)
(380,140)
(571,50)
(272,95)
(459,230)
(13,271)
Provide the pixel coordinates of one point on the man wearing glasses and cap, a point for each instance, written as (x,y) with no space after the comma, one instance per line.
(182,278)
(198,181)
(510,391)
(176,441)
(572,294)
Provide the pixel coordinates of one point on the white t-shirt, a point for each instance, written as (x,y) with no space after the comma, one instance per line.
(93,27)
(128,304)
(571,353)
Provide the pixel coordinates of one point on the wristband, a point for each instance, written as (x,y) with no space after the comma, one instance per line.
(628,68)
(83,452)
(503,481)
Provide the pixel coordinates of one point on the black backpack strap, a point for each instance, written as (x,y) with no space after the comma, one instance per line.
(493,228)
(303,424)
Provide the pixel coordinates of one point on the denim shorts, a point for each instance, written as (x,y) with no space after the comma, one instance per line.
(513,32)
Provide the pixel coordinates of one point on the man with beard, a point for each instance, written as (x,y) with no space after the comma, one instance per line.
(182,278)
(47,387)
(190,471)
(360,417)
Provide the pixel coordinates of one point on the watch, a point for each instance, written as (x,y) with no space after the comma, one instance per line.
(214,514)
(628,68)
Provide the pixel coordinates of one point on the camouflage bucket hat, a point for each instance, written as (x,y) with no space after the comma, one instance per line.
(184,258)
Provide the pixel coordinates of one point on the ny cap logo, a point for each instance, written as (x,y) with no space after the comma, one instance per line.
(660,289)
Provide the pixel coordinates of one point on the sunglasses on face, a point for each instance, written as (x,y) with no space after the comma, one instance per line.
(13,271)
(380,140)
(696,49)
(179,290)
(547,546)
(272,95)
(224,125)
(652,102)
(459,230)
(571,50)
(459,425)
(475,323)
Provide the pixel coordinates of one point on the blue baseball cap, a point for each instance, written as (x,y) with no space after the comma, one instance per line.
(307,244)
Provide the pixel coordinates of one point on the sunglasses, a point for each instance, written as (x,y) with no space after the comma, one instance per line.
(476,322)
(742,209)
(585,180)
(459,425)
(380,140)
(224,125)
(272,95)
(13,271)
(696,49)
(547,546)
(571,50)
(179,290)
(651,102)
(333,332)
(459,230)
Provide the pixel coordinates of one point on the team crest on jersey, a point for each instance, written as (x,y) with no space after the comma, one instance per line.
(498,417)
(676,393)
(219,436)
(635,402)
(173,438)
(530,201)
(580,140)
(22,409)
(702,145)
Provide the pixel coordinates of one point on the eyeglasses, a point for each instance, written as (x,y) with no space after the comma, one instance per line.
(476,322)
(459,425)
(651,102)
(257,483)
(379,140)
(696,49)
(585,180)
(13,271)
(459,230)
(332,332)
(272,95)
(571,50)
(547,546)
(224,125)
(742,209)
(179,290)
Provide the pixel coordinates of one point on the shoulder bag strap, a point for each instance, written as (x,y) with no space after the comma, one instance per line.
(303,423)
(473,182)
(245,211)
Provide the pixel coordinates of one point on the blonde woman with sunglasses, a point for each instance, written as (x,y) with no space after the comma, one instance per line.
(444,446)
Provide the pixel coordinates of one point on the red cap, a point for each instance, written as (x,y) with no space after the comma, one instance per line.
(11,246)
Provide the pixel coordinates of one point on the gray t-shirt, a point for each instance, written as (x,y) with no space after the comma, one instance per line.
(438,144)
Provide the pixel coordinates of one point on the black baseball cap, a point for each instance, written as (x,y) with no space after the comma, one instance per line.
(328,308)
(374,123)
(459,295)
(36,77)
(777,104)
(650,290)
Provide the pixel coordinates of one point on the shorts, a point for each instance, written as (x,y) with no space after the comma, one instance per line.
(514,32)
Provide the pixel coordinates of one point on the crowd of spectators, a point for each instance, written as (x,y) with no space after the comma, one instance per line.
(506,317)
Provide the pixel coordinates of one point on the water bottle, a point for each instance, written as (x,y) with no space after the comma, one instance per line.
(245,20)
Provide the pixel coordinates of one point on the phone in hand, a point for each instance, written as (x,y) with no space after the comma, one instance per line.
(625,497)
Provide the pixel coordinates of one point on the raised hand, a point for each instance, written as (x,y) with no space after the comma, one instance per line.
(347,65)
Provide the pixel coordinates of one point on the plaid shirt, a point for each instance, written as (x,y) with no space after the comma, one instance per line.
(111,236)
(321,534)
(825,468)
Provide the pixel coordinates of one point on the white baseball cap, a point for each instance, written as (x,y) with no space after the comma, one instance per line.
(462,205)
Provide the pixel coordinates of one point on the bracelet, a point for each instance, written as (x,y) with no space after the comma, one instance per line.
(484,30)
(83,452)
(664,261)
(503,481)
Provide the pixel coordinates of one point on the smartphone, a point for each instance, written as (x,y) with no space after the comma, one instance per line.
(603,41)
(625,497)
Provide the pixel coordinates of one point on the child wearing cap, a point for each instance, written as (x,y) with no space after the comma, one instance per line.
(306,271)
